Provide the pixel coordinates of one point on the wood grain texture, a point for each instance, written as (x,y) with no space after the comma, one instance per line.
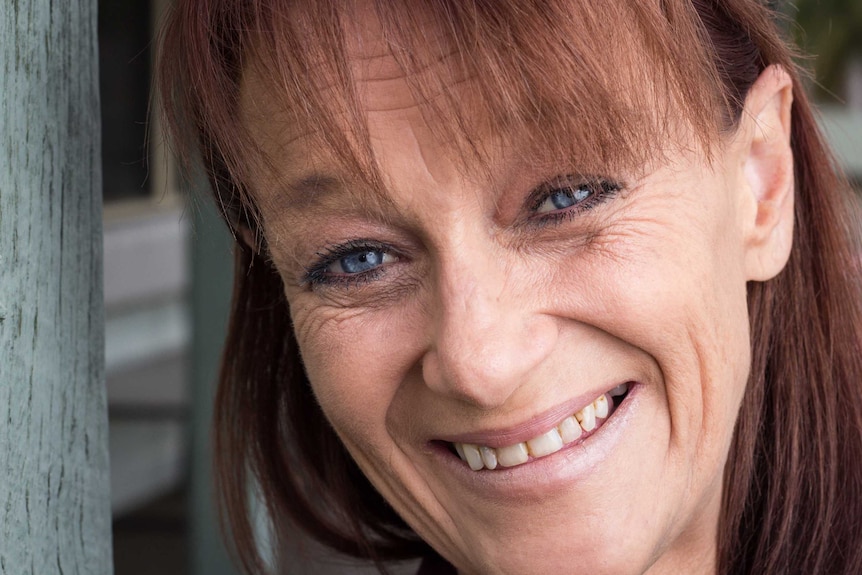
(54,501)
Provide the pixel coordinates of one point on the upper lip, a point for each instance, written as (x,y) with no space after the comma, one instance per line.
(528,429)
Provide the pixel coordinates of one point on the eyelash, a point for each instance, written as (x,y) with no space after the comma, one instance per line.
(316,275)
(600,190)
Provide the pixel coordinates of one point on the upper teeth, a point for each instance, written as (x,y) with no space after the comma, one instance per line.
(569,430)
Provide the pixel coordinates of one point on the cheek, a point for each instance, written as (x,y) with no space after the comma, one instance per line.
(355,363)
(671,283)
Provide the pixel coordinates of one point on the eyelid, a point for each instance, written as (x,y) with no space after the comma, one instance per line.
(316,275)
(603,189)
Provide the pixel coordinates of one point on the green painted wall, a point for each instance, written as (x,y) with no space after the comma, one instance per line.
(212,281)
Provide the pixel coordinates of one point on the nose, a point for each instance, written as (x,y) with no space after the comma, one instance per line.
(488,334)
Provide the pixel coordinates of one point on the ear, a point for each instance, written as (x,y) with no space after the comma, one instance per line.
(768,172)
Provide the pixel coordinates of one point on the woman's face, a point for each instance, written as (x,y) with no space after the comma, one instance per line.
(479,311)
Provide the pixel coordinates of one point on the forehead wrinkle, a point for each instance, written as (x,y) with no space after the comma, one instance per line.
(390,66)
(394,94)
(278,122)
(383,78)
(386,82)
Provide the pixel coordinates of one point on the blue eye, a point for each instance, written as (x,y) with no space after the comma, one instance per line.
(563,198)
(359,262)
(356,260)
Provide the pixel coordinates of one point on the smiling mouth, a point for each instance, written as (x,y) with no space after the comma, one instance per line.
(572,429)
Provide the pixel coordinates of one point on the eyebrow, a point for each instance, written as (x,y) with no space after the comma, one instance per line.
(317,189)
(311,188)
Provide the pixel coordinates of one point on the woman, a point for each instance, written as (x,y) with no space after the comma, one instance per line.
(540,287)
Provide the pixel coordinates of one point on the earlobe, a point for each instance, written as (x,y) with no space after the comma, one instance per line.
(768,172)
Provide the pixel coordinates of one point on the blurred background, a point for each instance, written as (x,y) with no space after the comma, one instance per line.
(167,282)
(168,277)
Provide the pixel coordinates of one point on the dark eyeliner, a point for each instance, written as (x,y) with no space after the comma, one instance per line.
(602,190)
(316,274)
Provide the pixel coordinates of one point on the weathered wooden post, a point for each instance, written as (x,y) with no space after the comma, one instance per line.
(54,501)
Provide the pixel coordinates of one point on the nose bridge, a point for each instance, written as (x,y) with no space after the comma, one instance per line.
(487,337)
(471,294)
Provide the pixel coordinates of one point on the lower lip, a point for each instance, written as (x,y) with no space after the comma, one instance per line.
(541,478)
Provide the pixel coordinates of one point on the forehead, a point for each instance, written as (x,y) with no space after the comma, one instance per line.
(334,86)
(562,78)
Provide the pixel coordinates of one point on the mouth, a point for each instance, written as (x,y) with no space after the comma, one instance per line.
(572,429)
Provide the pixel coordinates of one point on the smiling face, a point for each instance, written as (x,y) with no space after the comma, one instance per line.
(539,364)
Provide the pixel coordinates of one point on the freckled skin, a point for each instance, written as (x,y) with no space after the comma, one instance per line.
(482,322)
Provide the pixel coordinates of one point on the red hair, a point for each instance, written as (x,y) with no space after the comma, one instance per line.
(793,482)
